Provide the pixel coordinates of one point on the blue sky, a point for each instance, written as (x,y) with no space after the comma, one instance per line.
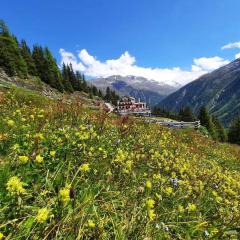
(157,34)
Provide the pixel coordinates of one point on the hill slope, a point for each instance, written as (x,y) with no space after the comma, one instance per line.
(149,90)
(219,91)
(67,172)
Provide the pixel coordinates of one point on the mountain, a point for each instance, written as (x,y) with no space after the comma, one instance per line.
(218,90)
(150,91)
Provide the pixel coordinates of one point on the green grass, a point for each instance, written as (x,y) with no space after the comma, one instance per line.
(84,174)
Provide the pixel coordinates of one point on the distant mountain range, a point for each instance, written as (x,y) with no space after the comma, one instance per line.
(150,91)
(218,90)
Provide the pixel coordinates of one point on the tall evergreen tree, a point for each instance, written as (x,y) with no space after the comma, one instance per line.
(206,121)
(186,115)
(27,55)
(66,79)
(11,59)
(234,131)
(53,73)
(40,63)
(221,133)
(108,96)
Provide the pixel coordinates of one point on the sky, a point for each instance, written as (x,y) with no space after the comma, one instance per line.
(169,41)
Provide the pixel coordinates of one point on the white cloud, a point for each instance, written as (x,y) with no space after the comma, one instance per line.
(126,65)
(237,56)
(231,45)
(210,64)
(68,57)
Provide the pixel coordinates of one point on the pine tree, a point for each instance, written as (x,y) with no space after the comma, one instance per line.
(107,96)
(234,131)
(186,115)
(40,63)
(221,133)
(94,91)
(206,121)
(66,79)
(79,81)
(27,55)
(11,59)
(53,73)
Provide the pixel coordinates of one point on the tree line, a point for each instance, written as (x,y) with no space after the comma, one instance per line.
(17,59)
(209,122)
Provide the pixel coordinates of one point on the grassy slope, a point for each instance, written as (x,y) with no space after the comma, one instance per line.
(102,177)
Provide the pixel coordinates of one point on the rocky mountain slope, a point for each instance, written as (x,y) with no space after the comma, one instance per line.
(219,91)
(150,91)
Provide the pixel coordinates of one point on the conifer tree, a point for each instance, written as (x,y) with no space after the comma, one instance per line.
(27,55)
(108,96)
(11,59)
(206,121)
(186,115)
(40,63)
(66,79)
(234,131)
(221,133)
(52,71)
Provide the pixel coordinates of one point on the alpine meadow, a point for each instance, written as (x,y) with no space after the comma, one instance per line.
(136,147)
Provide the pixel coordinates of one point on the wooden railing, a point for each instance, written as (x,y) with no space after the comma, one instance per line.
(175,124)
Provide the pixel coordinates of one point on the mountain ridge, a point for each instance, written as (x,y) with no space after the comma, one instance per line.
(218,90)
(151,91)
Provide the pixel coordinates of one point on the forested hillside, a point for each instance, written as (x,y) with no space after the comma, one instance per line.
(17,59)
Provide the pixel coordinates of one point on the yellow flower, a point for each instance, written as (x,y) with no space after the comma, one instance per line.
(1,236)
(15,146)
(168,190)
(14,185)
(150,203)
(85,167)
(191,207)
(180,208)
(39,159)
(129,164)
(52,153)
(42,215)
(23,159)
(148,184)
(10,123)
(151,214)
(64,195)
(91,224)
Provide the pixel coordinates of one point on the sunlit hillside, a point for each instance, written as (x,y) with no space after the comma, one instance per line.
(68,172)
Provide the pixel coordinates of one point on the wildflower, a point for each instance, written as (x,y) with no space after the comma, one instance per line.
(64,195)
(10,123)
(14,185)
(15,147)
(180,208)
(1,236)
(191,207)
(150,203)
(148,184)
(42,215)
(39,159)
(39,136)
(91,224)
(129,164)
(151,214)
(168,190)
(52,153)
(85,167)
(23,159)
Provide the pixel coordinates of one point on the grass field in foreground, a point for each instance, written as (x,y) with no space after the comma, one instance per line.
(67,172)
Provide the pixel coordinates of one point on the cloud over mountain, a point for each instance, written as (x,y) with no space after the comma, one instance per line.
(126,65)
(231,45)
